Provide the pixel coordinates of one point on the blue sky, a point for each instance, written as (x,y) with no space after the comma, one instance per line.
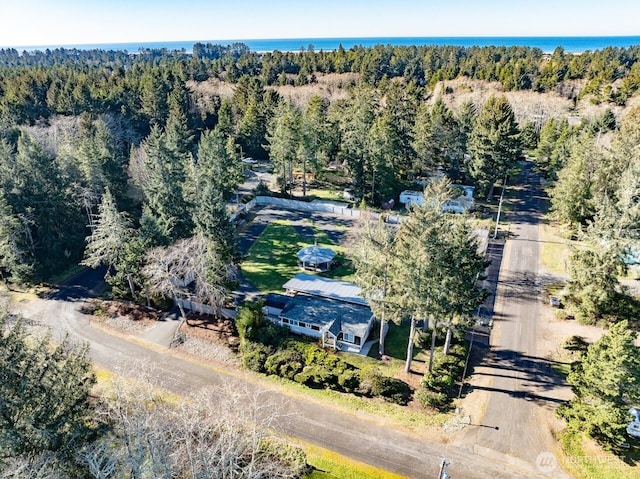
(60,22)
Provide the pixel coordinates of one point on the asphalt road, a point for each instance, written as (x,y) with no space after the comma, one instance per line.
(505,443)
(352,434)
(523,384)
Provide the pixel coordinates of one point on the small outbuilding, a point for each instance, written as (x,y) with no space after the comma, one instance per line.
(316,258)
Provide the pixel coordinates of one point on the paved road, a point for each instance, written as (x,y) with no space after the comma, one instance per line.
(523,383)
(504,444)
(349,433)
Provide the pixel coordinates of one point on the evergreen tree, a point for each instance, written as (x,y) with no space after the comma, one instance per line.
(421,139)
(44,393)
(41,195)
(315,137)
(15,257)
(284,137)
(212,221)
(355,121)
(126,278)
(399,101)
(606,382)
(373,256)
(153,98)
(164,183)
(572,197)
(494,143)
(418,268)
(226,120)
(593,282)
(466,266)
(382,158)
(251,132)
(438,139)
(110,232)
(217,164)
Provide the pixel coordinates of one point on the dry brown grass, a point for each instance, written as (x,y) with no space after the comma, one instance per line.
(527,104)
(212,86)
(333,86)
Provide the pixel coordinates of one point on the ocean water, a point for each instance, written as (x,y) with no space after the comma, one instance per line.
(546,44)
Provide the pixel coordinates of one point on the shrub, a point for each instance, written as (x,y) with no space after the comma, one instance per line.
(370,379)
(254,355)
(316,376)
(250,318)
(285,363)
(271,334)
(438,382)
(253,326)
(349,380)
(432,399)
(279,451)
(375,384)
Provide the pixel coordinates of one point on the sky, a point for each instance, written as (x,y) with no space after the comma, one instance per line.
(69,22)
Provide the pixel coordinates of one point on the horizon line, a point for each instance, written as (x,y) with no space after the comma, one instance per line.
(306,39)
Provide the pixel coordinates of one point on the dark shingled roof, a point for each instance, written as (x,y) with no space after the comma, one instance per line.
(334,315)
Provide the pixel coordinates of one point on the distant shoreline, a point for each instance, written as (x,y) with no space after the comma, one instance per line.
(571,44)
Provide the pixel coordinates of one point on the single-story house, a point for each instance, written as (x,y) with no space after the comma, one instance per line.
(343,326)
(460,204)
(331,310)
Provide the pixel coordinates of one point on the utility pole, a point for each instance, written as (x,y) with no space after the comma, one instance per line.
(504,184)
(443,474)
(466,362)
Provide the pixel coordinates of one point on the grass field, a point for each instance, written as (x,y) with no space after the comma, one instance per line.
(330,465)
(271,260)
(554,249)
(586,460)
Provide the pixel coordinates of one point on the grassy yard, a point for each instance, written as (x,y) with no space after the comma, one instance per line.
(331,194)
(586,460)
(554,249)
(271,260)
(330,465)
(396,344)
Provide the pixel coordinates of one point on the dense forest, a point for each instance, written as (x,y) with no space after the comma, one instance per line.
(100,141)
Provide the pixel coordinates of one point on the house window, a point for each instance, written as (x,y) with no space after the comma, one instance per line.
(349,338)
(303,325)
(315,327)
(285,320)
(293,322)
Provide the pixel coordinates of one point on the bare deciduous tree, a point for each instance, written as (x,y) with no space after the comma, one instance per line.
(221,433)
(190,269)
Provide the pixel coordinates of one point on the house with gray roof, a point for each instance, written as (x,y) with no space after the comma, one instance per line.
(331,310)
(325,288)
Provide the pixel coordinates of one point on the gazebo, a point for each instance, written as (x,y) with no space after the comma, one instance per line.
(315,258)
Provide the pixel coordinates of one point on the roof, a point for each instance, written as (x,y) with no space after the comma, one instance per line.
(326,288)
(316,255)
(277,300)
(330,314)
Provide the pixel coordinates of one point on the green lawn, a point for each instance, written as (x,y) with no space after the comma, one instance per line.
(396,350)
(330,465)
(271,260)
(585,460)
(331,194)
